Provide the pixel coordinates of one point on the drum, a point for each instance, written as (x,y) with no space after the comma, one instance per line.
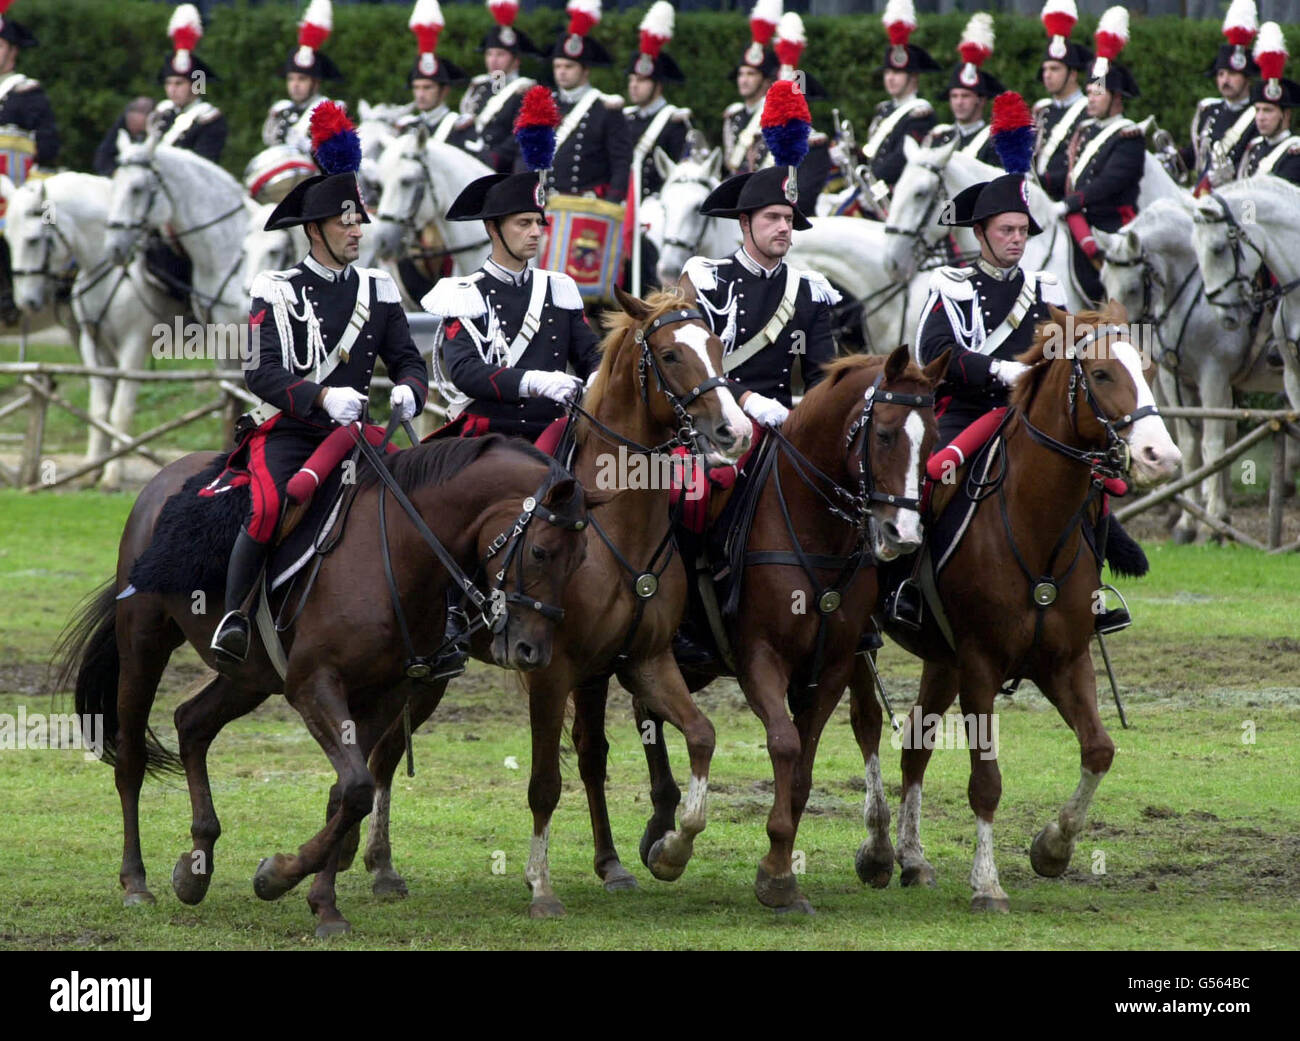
(273,172)
(585,241)
(17,155)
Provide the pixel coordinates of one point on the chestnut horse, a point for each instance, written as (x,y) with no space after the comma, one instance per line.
(345,653)
(841,494)
(657,385)
(1020,592)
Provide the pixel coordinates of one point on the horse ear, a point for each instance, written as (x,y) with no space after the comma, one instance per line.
(714,164)
(1107,242)
(364,109)
(663,163)
(630,304)
(421,134)
(123,142)
(599,498)
(1059,317)
(6,187)
(937,370)
(687,288)
(897,363)
(561,492)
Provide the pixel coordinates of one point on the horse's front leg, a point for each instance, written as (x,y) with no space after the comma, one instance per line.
(874,862)
(978,689)
(548,693)
(593,750)
(939,684)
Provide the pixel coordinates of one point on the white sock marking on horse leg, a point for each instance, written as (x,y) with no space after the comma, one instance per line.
(910,850)
(875,809)
(538,871)
(693,814)
(1075,812)
(378,852)
(983,872)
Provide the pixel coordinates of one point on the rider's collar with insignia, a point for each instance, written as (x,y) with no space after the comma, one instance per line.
(1236,106)
(1282,134)
(434,116)
(653,107)
(1001,274)
(970,129)
(504,274)
(754,267)
(327,273)
(570,97)
(1067,102)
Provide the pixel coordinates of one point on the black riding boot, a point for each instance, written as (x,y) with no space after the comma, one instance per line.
(1125,557)
(451,662)
(234,633)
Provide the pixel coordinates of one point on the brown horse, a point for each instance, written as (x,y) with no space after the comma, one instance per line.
(657,385)
(841,493)
(1020,592)
(345,653)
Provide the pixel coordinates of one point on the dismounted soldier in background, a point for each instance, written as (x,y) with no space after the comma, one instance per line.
(186,118)
(134,120)
(1059,114)
(1276,150)
(1222,127)
(593,150)
(320,326)
(288,122)
(31,138)
(494,96)
(431,79)
(969,89)
(905,114)
(1106,157)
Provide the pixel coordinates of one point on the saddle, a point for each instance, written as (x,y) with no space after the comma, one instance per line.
(170,270)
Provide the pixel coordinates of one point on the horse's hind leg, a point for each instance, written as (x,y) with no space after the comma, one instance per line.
(1075,697)
(593,749)
(198,721)
(939,685)
(145,640)
(875,860)
(384,760)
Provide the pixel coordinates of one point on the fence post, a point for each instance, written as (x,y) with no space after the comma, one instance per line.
(29,472)
(1276,486)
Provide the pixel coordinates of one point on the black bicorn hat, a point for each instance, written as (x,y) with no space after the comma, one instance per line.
(1118,80)
(975,48)
(747,192)
(1058,18)
(901,54)
(499,195)
(1283,93)
(969,77)
(1008,193)
(430,66)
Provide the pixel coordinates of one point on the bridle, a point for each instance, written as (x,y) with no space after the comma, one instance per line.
(691,248)
(410,223)
(1251,295)
(1171,358)
(921,249)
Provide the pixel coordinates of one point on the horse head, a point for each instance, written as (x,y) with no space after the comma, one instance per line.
(138,201)
(686,185)
(36,251)
(269,250)
(406,196)
(1227,258)
(913,228)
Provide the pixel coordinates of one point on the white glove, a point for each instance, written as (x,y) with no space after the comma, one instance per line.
(1060,209)
(768,412)
(402,402)
(1007,371)
(560,387)
(344,404)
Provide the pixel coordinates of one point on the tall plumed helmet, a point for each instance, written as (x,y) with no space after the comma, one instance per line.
(1111,38)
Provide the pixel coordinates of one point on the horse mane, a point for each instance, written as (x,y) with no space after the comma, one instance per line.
(1283,192)
(432,463)
(1039,361)
(816,405)
(618,323)
(209,168)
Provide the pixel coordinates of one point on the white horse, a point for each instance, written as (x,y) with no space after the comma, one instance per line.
(421,180)
(269,250)
(684,231)
(1238,228)
(58,223)
(377,126)
(50,312)
(198,206)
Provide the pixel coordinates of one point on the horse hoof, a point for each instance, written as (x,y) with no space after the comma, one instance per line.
(662,869)
(997,904)
(799,907)
(874,871)
(189,886)
(619,880)
(545,907)
(334,927)
(268,882)
(138,898)
(1184,536)
(1043,861)
(777,891)
(392,887)
(918,875)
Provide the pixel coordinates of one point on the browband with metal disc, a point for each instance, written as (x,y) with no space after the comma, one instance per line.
(685,314)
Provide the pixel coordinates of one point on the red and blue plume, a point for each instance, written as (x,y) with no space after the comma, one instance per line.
(334,140)
(535,127)
(786,123)
(1013,132)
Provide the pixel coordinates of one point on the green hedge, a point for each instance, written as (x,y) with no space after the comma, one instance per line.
(95,55)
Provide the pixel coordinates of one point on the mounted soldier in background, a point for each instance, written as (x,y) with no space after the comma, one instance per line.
(186,118)
(1276,150)
(970,87)
(320,327)
(494,96)
(288,122)
(29,139)
(431,80)
(905,114)
(753,75)
(1057,115)
(1222,127)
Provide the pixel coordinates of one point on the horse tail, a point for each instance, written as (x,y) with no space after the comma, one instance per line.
(87,659)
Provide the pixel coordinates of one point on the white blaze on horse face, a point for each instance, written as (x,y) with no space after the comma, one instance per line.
(696,338)
(908,522)
(1155,456)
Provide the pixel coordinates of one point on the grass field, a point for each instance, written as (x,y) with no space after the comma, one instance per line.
(1194,839)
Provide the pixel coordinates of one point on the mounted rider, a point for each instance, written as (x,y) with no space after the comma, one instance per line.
(1276,150)
(510,332)
(1223,127)
(970,87)
(186,119)
(1106,154)
(430,80)
(319,327)
(1057,115)
(905,114)
(288,121)
(29,145)
(493,97)
(753,75)
(986,314)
